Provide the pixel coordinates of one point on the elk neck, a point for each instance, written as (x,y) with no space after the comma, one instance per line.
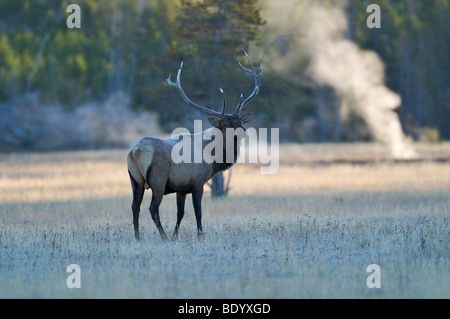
(224,165)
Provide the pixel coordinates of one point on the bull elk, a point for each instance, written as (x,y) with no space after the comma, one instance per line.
(150,164)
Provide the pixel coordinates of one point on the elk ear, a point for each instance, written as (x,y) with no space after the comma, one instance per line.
(214,121)
(246,118)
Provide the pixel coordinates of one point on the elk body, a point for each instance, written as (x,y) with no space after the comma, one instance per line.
(150,163)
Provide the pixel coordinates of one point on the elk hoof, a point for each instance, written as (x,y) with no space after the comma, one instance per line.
(201,235)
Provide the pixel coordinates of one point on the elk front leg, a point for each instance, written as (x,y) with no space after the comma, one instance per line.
(154,211)
(181,199)
(197,201)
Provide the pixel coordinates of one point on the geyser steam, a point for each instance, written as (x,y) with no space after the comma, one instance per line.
(356,75)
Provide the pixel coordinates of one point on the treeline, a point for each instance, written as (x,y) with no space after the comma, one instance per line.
(130,46)
(113,50)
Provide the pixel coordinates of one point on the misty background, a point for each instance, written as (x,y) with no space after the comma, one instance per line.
(327,76)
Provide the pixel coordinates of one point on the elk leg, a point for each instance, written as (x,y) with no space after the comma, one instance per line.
(154,211)
(138,195)
(181,199)
(197,201)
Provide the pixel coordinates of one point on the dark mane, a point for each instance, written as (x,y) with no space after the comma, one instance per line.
(218,167)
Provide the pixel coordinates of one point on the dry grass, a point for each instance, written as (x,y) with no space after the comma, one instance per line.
(308,231)
(102,174)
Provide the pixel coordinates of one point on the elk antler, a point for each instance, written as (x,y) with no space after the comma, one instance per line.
(177,85)
(222,113)
(257,78)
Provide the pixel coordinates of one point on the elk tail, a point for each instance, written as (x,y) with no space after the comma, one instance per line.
(135,153)
(142,157)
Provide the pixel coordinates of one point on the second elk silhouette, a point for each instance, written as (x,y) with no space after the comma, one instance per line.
(150,164)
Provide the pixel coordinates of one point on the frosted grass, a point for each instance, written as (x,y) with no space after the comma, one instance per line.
(314,246)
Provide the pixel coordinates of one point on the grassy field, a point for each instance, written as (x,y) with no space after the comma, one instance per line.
(309,231)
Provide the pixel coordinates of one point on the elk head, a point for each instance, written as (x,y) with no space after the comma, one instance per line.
(221,120)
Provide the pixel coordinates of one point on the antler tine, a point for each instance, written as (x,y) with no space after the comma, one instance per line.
(240,102)
(249,62)
(257,78)
(177,85)
(222,113)
(169,81)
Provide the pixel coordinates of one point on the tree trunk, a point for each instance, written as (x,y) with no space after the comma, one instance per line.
(217,188)
(36,62)
(319,104)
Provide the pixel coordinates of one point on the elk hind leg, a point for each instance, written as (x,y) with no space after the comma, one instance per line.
(138,195)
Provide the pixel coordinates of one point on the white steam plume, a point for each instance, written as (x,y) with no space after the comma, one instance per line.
(356,75)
